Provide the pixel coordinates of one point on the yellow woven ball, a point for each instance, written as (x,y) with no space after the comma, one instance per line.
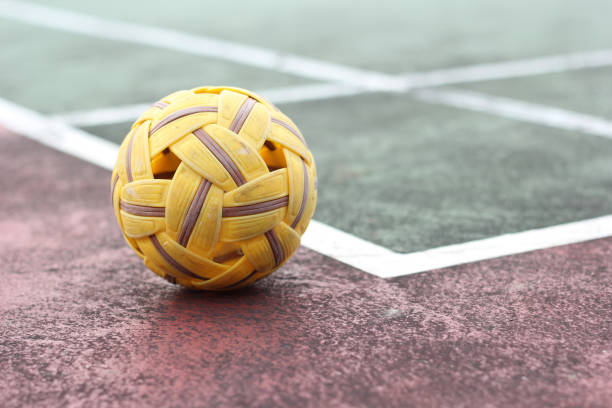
(213,188)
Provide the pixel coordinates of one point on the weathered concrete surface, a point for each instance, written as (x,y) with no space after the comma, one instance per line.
(83,323)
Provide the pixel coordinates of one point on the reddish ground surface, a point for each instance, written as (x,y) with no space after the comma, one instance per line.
(83,323)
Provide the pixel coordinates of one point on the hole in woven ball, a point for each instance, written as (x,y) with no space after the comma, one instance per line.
(165,164)
(273,155)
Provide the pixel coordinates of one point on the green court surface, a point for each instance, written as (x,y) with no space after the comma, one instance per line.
(587,91)
(389,35)
(395,171)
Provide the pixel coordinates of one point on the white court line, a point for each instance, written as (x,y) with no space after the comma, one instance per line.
(322,238)
(158,37)
(103,116)
(495,247)
(508,69)
(413,81)
(128,113)
(57,135)
(518,110)
(506,107)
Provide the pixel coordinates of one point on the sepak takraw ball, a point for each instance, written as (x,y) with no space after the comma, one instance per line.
(213,188)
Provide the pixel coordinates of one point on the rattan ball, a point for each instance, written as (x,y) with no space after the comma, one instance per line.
(213,188)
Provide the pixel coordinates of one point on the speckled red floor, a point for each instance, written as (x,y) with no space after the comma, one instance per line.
(83,323)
